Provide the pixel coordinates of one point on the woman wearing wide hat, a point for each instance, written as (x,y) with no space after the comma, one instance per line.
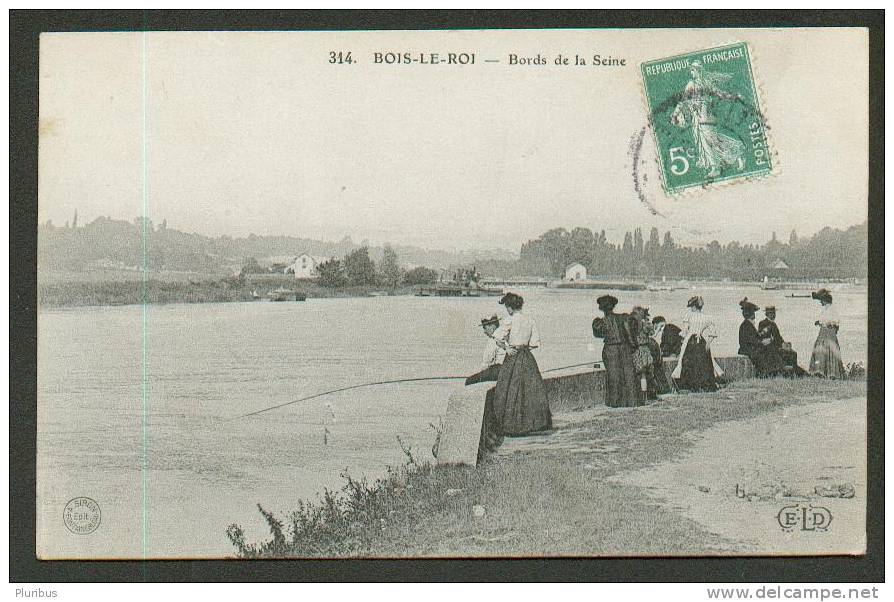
(622,388)
(826,357)
(520,403)
(696,370)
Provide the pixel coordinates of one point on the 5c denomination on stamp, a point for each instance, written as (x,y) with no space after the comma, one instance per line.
(705,116)
(82,515)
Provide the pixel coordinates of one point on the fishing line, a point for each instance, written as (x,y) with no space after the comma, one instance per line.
(381,382)
(384,382)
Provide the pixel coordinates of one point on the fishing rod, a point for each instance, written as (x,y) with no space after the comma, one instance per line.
(385,382)
(594,364)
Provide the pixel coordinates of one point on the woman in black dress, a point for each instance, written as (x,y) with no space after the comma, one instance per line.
(621,382)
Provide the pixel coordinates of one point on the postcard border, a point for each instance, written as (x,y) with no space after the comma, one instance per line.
(25,27)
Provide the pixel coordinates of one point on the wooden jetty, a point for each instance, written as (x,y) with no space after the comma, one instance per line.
(457,290)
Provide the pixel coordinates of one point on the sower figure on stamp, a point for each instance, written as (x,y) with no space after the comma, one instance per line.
(621,382)
(494,354)
(716,148)
(520,401)
(767,329)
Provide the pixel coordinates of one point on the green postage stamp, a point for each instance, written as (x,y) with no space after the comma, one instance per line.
(705,116)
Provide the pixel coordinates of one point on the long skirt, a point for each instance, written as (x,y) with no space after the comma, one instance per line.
(790,362)
(621,380)
(520,403)
(826,358)
(767,362)
(697,366)
(491,433)
(661,380)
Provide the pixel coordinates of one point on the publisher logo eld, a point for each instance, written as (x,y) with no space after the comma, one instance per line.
(800,517)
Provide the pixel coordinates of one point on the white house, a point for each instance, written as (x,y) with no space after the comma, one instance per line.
(575,271)
(305,266)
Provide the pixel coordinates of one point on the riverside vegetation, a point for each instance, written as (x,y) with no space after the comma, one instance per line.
(552,502)
(356,275)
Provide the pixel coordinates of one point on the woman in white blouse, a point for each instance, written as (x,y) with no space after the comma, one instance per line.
(826,357)
(696,369)
(520,402)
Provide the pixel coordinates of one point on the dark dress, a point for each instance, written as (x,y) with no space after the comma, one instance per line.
(671,341)
(621,382)
(697,366)
(662,381)
(768,329)
(766,360)
(520,402)
(491,434)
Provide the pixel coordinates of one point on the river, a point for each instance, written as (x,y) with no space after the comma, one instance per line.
(136,410)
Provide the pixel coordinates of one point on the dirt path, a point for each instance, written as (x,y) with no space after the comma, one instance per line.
(740,475)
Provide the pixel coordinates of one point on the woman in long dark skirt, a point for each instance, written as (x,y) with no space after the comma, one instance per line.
(621,382)
(697,370)
(663,383)
(520,402)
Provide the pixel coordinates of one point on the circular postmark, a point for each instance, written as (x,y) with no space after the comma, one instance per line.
(82,515)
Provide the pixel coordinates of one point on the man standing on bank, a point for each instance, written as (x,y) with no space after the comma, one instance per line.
(767,329)
(520,403)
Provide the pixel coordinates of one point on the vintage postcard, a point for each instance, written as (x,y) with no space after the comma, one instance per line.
(472,293)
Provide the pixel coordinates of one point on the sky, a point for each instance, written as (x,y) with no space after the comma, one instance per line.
(240,132)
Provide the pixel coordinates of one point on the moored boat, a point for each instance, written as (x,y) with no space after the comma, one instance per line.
(284,294)
(455,290)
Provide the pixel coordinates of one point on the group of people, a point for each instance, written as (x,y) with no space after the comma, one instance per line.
(631,340)
(633,352)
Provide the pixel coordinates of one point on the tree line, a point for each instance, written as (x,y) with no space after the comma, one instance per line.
(830,253)
(358,269)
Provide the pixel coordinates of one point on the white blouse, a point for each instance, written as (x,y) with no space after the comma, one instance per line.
(695,322)
(518,329)
(493,354)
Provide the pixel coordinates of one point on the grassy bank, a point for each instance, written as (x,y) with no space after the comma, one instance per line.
(552,502)
(74,293)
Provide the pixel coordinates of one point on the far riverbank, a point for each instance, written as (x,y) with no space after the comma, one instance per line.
(115,288)
(82,293)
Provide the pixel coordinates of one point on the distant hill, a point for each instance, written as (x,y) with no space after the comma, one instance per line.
(108,243)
